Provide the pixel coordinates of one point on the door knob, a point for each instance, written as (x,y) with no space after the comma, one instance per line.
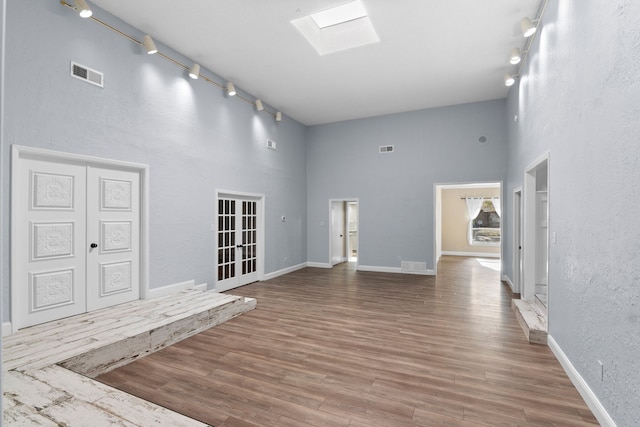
(93,245)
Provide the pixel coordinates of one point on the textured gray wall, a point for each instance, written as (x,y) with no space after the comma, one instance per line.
(395,190)
(194,138)
(579,99)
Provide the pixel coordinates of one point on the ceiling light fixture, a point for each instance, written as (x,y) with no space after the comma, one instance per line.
(194,71)
(149,45)
(259,105)
(278,116)
(83,8)
(515,56)
(231,89)
(528,27)
(509,79)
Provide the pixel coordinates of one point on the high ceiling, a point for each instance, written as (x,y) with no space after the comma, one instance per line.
(431,52)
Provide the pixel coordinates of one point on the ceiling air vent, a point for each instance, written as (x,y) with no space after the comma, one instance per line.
(87,74)
(386,149)
(271,144)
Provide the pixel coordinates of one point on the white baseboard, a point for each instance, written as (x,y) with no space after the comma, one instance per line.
(581,385)
(172,289)
(201,287)
(6,329)
(318,264)
(396,270)
(471,254)
(509,282)
(284,271)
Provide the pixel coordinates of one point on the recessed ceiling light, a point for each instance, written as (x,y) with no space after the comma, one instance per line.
(339,15)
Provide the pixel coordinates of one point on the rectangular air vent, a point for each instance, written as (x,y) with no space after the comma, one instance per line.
(87,74)
(413,266)
(386,148)
(271,144)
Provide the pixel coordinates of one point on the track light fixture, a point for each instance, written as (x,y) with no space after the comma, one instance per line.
(194,72)
(149,45)
(509,79)
(259,105)
(528,27)
(231,89)
(515,56)
(278,116)
(83,8)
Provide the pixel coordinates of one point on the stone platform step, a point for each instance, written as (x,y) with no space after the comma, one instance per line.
(42,364)
(531,320)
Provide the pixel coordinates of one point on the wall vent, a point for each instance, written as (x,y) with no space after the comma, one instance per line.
(87,74)
(271,144)
(413,266)
(386,149)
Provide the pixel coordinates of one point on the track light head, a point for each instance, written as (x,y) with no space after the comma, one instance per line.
(509,79)
(83,8)
(278,116)
(528,27)
(231,89)
(194,72)
(259,105)
(149,45)
(515,56)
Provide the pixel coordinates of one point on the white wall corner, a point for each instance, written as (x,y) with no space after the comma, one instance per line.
(581,385)
(284,271)
(318,264)
(6,329)
(506,278)
(171,289)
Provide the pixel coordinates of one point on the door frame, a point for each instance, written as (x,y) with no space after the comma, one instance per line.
(343,201)
(517,240)
(257,197)
(18,152)
(529,226)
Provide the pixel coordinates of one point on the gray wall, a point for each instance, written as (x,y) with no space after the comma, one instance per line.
(579,98)
(194,139)
(395,190)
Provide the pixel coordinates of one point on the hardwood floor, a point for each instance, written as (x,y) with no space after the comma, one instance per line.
(344,348)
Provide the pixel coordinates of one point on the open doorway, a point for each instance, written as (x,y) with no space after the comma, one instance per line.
(344,231)
(468,220)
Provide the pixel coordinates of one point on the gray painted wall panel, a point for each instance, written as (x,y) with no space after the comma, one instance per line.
(579,98)
(396,190)
(194,138)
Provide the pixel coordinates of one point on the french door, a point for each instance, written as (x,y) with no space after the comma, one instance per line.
(76,232)
(239,235)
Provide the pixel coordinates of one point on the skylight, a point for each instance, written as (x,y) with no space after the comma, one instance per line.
(339,14)
(339,28)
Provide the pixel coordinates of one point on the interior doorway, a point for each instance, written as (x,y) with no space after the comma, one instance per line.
(344,231)
(517,240)
(536,234)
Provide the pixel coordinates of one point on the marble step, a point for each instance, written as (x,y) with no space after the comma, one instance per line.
(532,321)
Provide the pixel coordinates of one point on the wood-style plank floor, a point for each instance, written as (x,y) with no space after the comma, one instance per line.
(345,348)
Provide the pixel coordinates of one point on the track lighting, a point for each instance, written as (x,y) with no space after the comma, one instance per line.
(194,72)
(509,79)
(278,116)
(83,8)
(528,27)
(515,56)
(231,89)
(259,105)
(149,45)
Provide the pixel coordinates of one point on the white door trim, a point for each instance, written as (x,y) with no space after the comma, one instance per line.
(517,239)
(19,151)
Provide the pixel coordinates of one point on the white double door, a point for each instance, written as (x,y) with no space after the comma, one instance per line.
(77,239)
(239,233)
